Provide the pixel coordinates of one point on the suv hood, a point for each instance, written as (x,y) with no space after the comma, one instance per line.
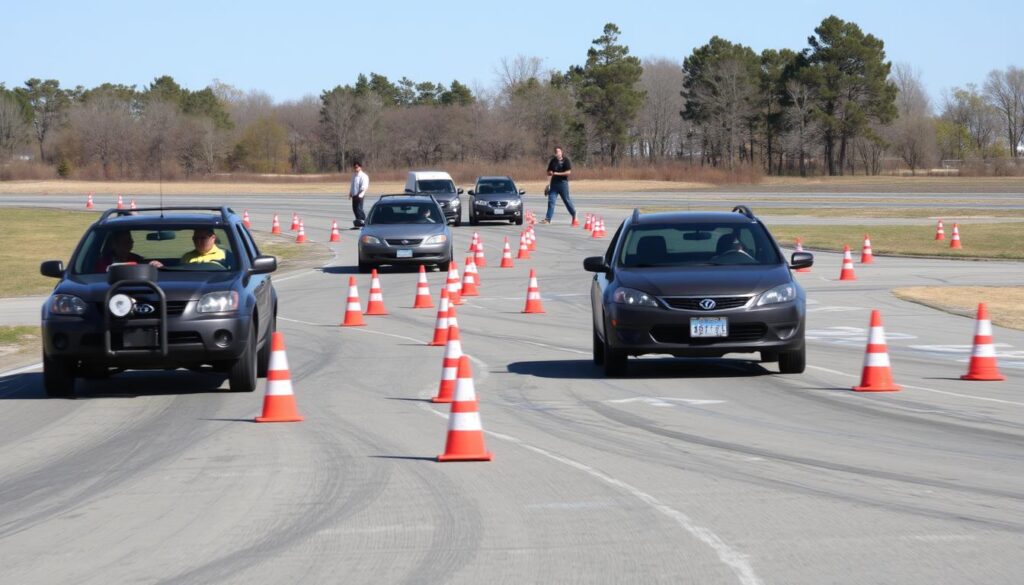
(442,195)
(704,280)
(499,197)
(178,286)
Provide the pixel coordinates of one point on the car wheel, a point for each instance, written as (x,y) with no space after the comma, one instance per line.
(473,219)
(793,362)
(598,349)
(519,220)
(242,375)
(263,357)
(458,220)
(58,377)
(614,361)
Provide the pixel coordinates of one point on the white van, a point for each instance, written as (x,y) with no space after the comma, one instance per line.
(442,187)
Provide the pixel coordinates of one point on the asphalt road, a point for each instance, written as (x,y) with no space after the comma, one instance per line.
(685,471)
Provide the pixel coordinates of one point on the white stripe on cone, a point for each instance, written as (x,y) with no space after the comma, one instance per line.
(464,421)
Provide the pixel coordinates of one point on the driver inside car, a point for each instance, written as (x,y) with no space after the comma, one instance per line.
(205,251)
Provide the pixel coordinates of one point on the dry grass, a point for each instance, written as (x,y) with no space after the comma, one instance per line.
(18,345)
(1005,303)
(980,240)
(948,215)
(29,236)
(893,184)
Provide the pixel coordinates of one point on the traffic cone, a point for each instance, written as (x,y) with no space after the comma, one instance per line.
(983,366)
(524,248)
(472,243)
(465,432)
(877,373)
(300,238)
(955,242)
(375,304)
(469,279)
(450,363)
(353,310)
(533,304)
(120,202)
(335,234)
(506,256)
(800,248)
(866,257)
(88,202)
(478,257)
(441,324)
(600,228)
(454,285)
(295,222)
(940,234)
(847,271)
(588,223)
(423,300)
(245,218)
(275,227)
(531,239)
(131,204)
(279,401)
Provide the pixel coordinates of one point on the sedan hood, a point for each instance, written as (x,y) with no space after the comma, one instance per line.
(404,230)
(704,280)
(178,286)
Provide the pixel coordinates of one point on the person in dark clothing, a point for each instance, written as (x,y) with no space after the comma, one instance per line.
(559,169)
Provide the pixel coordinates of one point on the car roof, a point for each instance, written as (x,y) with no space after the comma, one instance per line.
(494,178)
(128,221)
(405,198)
(428,175)
(709,217)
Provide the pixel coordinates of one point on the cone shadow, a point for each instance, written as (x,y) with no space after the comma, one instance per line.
(404,457)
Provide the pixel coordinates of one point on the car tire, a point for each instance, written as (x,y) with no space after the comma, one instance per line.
(598,349)
(615,361)
(242,375)
(58,377)
(458,220)
(365,267)
(793,362)
(473,219)
(263,357)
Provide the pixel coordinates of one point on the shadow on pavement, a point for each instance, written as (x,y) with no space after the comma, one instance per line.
(405,457)
(643,368)
(29,386)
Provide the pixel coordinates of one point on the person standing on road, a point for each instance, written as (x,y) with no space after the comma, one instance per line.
(360,183)
(559,169)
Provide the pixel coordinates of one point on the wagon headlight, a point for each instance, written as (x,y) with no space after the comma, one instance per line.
(67,305)
(218,302)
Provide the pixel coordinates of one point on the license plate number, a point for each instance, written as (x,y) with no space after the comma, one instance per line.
(499,211)
(404,254)
(709,327)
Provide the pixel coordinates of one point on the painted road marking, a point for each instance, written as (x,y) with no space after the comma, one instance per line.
(970,396)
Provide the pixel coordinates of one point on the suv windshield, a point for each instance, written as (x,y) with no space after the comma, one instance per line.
(495,186)
(436,186)
(398,213)
(697,244)
(180,249)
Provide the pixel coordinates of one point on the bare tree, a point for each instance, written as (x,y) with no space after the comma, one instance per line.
(1005,91)
(969,110)
(13,127)
(514,71)
(659,127)
(727,95)
(801,117)
(103,124)
(912,135)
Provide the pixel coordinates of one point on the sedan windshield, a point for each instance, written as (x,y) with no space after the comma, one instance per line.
(698,244)
(404,213)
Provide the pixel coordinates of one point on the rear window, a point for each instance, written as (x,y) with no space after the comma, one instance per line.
(436,186)
(175,248)
(697,245)
(390,213)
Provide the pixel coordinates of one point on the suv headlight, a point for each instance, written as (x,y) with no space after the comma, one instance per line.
(455,202)
(438,239)
(628,296)
(369,239)
(218,302)
(67,305)
(780,294)
(514,202)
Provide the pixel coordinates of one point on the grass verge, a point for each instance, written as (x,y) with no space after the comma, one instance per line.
(1005,303)
(18,345)
(980,240)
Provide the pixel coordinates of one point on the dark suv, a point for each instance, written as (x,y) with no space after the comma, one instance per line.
(696,284)
(496,198)
(160,289)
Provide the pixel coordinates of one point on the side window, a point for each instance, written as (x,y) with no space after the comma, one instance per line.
(609,254)
(246,242)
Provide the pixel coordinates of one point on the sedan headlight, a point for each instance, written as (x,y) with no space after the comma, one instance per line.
(628,296)
(218,302)
(369,239)
(438,239)
(67,305)
(780,294)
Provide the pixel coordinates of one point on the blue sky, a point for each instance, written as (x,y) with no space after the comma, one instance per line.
(290,49)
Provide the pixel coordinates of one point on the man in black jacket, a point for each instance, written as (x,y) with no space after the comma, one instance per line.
(559,169)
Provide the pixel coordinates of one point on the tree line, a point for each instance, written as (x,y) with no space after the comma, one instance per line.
(835,106)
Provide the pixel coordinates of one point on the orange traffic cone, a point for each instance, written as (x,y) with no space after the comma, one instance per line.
(601,232)
(588,223)
(441,324)
(847,271)
(479,259)
(335,234)
(300,238)
(955,242)
(452,353)
(940,234)
(465,432)
(469,279)
(877,373)
(353,310)
(983,356)
(245,218)
(533,304)
(506,256)
(866,257)
(472,243)
(279,401)
(800,248)
(275,227)
(295,222)
(524,248)
(88,202)
(131,204)
(120,202)
(375,305)
(423,300)
(531,234)
(454,285)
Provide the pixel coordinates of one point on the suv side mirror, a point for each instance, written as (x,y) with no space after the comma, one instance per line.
(263,265)
(52,268)
(408,190)
(801,260)
(522,191)
(459,191)
(595,264)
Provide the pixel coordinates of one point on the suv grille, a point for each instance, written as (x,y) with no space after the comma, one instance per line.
(498,203)
(681,334)
(404,241)
(174,308)
(693,303)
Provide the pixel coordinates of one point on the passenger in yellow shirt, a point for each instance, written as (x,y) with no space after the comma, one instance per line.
(206,248)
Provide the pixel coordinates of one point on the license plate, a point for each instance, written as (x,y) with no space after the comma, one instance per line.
(499,211)
(403,254)
(140,337)
(709,327)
